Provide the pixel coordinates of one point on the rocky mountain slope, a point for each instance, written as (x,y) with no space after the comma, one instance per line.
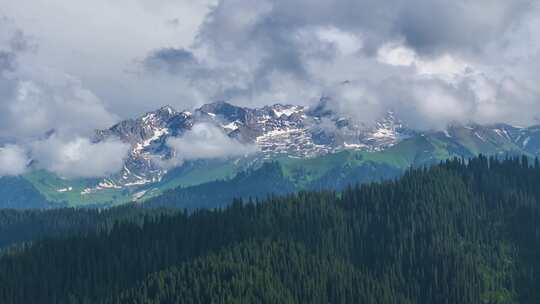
(276,130)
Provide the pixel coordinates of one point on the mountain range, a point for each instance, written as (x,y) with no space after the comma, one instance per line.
(312,147)
(278,130)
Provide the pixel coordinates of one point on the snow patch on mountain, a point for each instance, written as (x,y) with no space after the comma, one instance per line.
(288,110)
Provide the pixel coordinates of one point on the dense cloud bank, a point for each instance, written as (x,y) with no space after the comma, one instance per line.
(37,101)
(433,62)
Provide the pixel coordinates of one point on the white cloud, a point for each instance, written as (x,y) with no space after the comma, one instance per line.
(443,66)
(207,141)
(98,41)
(440,106)
(35,98)
(38,106)
(79,157)
(13,160)
(347,43)
(396,54)
(393,55)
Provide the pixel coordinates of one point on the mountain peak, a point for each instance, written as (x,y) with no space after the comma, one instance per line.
(284,109)
(158,116)
(224,109)
(217,106)
(167,109)
(164,110)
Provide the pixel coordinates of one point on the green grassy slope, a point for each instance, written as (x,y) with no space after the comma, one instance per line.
(68,192)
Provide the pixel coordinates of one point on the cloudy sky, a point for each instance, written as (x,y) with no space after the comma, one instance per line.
(73,65)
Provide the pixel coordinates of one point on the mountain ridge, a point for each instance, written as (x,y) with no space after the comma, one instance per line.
(281,130)
(316,147)
(276,130)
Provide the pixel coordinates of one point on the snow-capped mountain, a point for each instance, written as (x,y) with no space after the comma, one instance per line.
(277,130)
(147,136)
(293,131)
(302,140)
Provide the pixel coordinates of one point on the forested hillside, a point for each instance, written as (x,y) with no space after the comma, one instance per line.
(460,232)
(18,193)
(23,226)
(256,184)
